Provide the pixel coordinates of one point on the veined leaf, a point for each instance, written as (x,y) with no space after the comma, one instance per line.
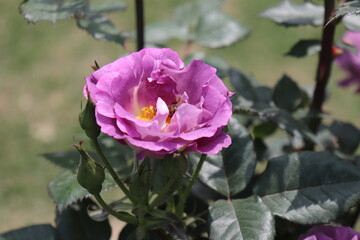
(230,171)
(309,187)
(216,29)
(68,159)
(241,219)
(52,10)
(189,13)
(287,95)
(65,189)
(292,14)
(348,136)
(288,123)
(101,28)
(348,8)
(105,6)
(121,157)
(162,31)
(250,92)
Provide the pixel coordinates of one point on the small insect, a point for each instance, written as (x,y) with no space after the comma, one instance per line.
(172,109)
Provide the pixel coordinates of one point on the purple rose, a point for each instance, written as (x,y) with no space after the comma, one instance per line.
(349,61)
(322,232)
(151,101)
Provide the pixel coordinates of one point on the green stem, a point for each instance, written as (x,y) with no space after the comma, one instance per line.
(122,217)
(158,200)
(181,205)
(112,171)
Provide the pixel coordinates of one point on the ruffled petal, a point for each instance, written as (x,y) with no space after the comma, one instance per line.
(212,145)
(192,79)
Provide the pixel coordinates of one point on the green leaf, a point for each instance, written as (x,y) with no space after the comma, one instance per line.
(251,94)
(244,83)
(347,135)
(305,48)
(52,10)
(292,14)
(65,189)
(215,61)
(68,160)
(74,223)
(189,13)
(287,95)
(348,8)
(295,128)
(162,31)
(309,187)
(230,171)
(264,95)
(120,156)
(33,232)
(264,129)
(241,219)
(352,22)
(101,28)
(285,121)
(105,6)
(216,29)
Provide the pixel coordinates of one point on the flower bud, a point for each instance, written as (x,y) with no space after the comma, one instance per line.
(90,174)
(88,121)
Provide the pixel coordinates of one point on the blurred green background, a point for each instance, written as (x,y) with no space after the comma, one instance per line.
(42,69)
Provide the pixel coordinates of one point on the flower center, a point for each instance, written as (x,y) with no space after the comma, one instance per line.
(147,113)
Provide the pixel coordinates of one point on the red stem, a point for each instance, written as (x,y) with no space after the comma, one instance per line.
(140,29)
(324,65)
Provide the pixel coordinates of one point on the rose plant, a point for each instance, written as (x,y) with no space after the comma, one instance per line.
(252,163)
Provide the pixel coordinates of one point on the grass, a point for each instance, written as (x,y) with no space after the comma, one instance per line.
(42,68)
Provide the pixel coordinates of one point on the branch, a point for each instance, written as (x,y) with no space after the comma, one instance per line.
(140,30)
(324,65)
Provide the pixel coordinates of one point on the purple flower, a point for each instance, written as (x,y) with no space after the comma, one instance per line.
(322,232)
(349,61)
(151,101)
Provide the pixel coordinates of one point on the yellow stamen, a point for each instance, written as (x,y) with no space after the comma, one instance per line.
(147,113)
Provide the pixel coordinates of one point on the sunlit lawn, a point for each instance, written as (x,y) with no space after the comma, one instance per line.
(42,68)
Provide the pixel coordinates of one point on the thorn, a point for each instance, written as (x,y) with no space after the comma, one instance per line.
(95,66)
(336,51)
